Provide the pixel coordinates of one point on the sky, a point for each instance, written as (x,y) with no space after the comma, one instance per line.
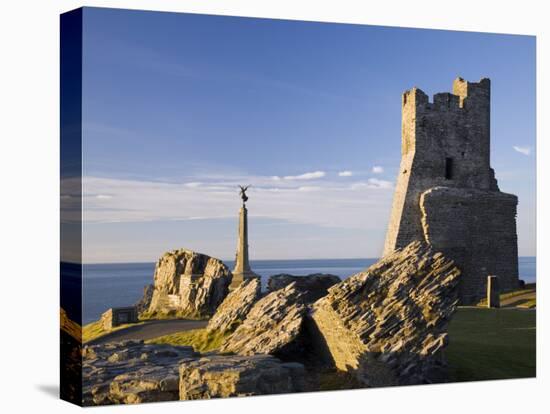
(179,109)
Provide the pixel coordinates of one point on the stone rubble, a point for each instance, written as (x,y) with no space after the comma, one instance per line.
(384,326)
(131,372)
(272,326)
(314,286)
(219,376)
(235,307)
(388,323)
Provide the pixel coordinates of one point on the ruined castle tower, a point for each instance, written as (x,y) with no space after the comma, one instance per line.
(446,191)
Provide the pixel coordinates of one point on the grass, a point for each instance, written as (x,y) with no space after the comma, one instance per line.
(200,339)
(506,299)
(171,314)
(95,329)
(487,344)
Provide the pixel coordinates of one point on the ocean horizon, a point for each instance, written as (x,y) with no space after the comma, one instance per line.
(107,285)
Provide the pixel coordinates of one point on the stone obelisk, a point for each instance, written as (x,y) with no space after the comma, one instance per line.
(242,268)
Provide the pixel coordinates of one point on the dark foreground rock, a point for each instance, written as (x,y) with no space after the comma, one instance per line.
(235,306)
(313,286)
(273,325)
(388,324)
(218,376)
(188,284)
(131,372)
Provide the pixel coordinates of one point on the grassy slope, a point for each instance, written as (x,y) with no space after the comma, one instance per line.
(95,329)
(492,344)
(526,297)
(156,316)
(199,339)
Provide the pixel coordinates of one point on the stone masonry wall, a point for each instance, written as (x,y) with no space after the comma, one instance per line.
(453,127)
(446,143)
(477,229)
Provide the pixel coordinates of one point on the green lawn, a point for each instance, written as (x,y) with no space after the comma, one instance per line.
(490,344)
(200,339)
(95,329)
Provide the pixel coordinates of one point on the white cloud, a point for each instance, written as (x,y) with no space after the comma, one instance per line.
(372,183)
(306,176)
(376,183)
(377,169)
(523,150)
(309,188)
(193,184)
(328,203)
(103,197)
(276,178)
(345,174)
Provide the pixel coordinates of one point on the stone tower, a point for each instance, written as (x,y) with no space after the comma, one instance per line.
(242,268)
(446,191)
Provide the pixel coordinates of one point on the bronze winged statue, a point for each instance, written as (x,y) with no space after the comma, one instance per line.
(244,197)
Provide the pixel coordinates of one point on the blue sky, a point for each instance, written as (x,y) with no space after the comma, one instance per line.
(178,109)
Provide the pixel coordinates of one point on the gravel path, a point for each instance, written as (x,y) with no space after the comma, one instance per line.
(517,300)
(149,330)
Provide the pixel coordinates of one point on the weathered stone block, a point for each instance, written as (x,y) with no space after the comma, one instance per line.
(273,325)
(235,307)
(313,286)
(387,325)
(220,376)
(131,372)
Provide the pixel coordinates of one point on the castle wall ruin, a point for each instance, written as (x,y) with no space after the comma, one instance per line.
(446,192)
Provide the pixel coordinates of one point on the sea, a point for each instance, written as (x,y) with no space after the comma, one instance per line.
(121,284)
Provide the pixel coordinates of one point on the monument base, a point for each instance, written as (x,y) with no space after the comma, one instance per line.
(238,278)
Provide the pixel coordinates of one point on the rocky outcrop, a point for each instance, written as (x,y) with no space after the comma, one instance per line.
(188,284)
(131,372)
(313,286)
(218,376)
(145,302)
(235,307)
(388,324)
(273,325)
